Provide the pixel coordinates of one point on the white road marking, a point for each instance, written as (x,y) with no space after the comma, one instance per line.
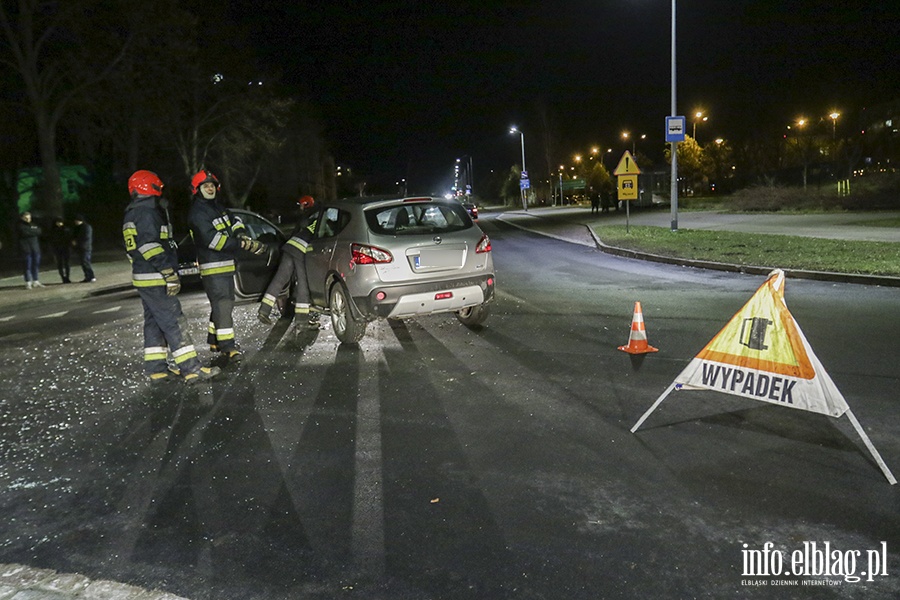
(54,315)
(108,310)
(368,491)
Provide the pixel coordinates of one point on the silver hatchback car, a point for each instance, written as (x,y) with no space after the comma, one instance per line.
(388,257)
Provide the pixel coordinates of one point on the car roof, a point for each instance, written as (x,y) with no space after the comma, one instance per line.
(382,199)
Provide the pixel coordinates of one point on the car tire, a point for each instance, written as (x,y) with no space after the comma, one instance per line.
(347,328)
(473,316)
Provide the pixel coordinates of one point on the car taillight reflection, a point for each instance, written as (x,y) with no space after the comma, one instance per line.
(369,255)
(484,245)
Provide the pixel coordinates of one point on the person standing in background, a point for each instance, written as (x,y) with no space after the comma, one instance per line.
(84,247)
(30,245)
(60,242)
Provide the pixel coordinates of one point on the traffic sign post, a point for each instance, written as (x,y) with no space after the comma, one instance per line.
(627,173)
(524,184)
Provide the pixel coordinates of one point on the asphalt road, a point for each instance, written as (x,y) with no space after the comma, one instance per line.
(438,462)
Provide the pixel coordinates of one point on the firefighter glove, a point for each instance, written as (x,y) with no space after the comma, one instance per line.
(253,246)
(173,282)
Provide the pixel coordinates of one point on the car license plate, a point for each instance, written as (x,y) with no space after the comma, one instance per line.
(443,258)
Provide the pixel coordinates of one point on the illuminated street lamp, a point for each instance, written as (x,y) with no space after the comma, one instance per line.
(625,136)
(698,116)
(834,117)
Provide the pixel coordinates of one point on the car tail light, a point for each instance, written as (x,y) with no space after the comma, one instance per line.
(474,213)
(484,245)
(369,255)
(443,295)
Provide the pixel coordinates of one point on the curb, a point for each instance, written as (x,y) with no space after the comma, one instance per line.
(20,581)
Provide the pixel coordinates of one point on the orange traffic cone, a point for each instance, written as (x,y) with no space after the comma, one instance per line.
(637,341)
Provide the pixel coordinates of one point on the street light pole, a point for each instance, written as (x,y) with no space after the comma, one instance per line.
(673,189)
(522,137)
(560,185)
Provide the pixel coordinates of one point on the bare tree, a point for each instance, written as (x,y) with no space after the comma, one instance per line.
(235,125)
(60,50)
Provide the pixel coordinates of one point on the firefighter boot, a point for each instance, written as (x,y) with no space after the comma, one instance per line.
(204,374)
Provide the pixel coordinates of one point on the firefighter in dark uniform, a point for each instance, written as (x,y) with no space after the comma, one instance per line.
(151,250)
(293,263)
(218,235)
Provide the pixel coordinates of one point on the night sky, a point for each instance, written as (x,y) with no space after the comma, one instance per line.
(405,88)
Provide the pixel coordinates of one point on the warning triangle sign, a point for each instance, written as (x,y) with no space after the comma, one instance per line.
(762,336)
(762,354)
(627,165)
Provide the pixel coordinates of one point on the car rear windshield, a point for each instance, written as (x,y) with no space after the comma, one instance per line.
(412,218)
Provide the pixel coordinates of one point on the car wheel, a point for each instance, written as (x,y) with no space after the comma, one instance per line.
(473,316)
(348,329)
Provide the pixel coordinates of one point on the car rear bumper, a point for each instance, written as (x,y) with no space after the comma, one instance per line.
(411,300)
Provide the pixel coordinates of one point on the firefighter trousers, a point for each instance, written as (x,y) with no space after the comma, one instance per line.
(165,330)
(292,264)
(220,291)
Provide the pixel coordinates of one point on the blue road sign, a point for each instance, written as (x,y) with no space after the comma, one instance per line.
(675,129)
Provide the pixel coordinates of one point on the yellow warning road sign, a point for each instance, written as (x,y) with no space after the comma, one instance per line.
(627,165)
(628,187)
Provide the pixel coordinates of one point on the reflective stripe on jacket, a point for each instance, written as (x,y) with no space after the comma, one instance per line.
(215,231)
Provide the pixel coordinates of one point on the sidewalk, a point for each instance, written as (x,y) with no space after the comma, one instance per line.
(112,274)
(575,224)
(18,582)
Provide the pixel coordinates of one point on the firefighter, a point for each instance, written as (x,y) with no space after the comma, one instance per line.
(151,250)
(293,263)
(218,235)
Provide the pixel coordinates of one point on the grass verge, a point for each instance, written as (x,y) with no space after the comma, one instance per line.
(760,250)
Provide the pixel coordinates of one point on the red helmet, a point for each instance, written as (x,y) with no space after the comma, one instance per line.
(203,176)
(145,183)
(306,202)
